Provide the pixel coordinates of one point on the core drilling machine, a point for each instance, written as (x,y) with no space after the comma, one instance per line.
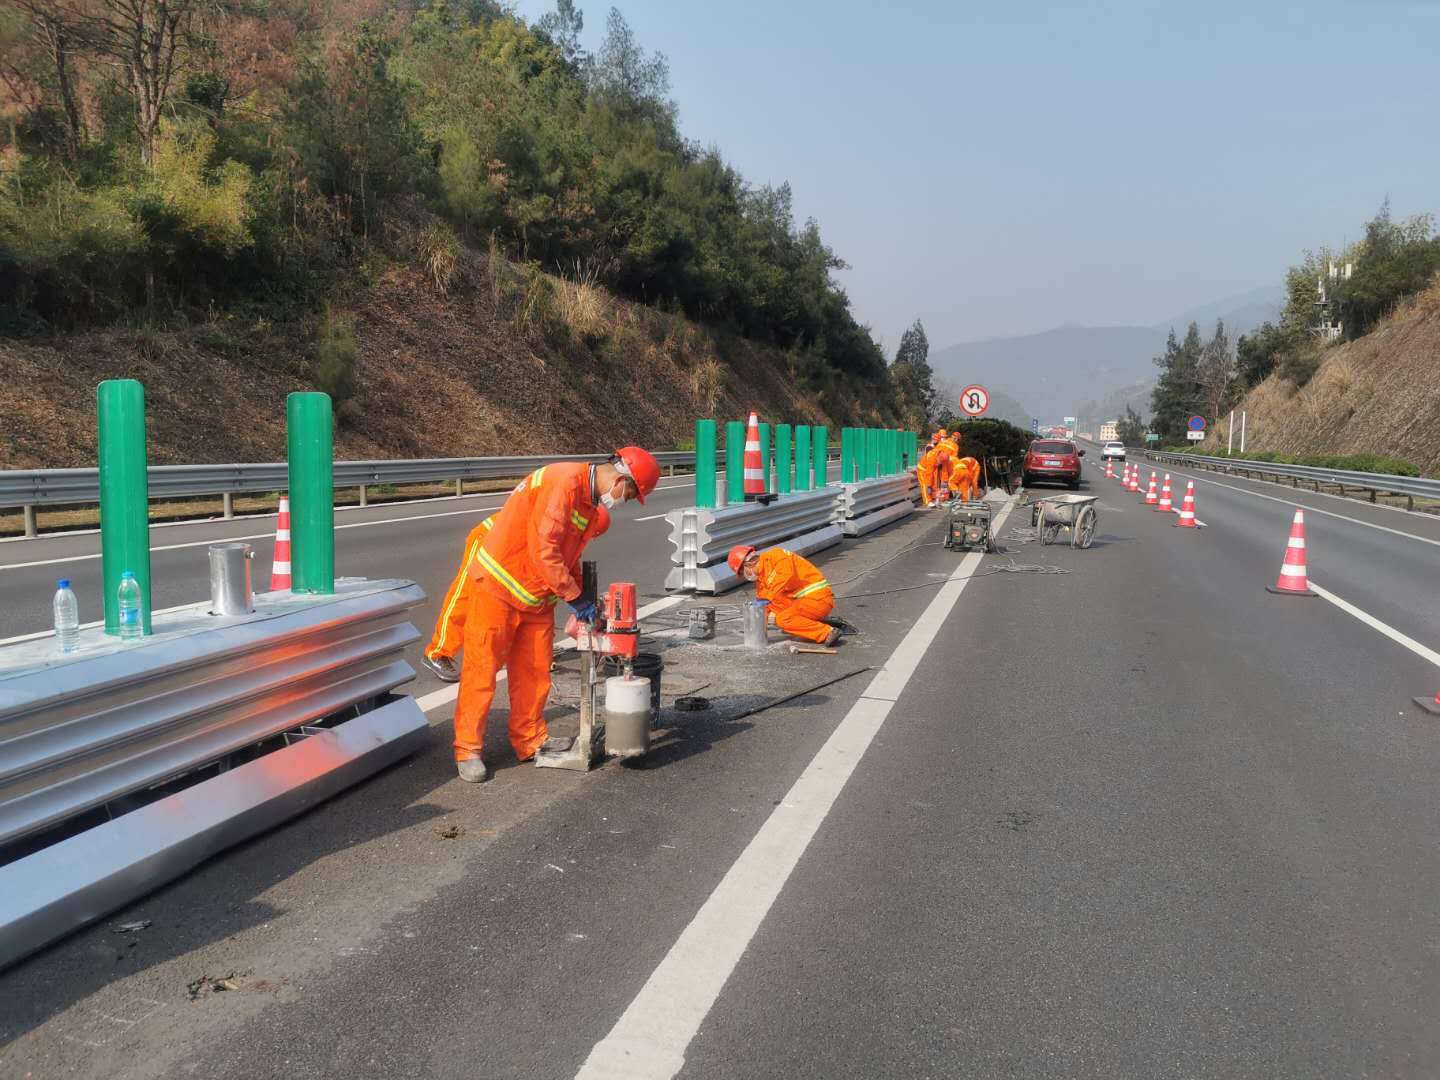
(615,632)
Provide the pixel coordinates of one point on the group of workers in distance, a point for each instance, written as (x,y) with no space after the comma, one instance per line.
(944,474)
(525,558)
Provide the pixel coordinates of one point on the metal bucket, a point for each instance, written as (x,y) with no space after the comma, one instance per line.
(230,591)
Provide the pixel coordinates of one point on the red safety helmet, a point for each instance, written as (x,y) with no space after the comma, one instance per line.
(738,554)
(639,465)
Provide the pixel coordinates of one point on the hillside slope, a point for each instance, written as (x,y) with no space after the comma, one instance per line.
(521,364)
(1378,394)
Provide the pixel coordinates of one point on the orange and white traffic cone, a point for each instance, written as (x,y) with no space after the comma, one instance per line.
(1432,707)
(1135,478)
(1151,498)
(280,568)
(1109,468)
(1187,508)
(1292,581)
(754,465)
(1125,476)
(1165,504)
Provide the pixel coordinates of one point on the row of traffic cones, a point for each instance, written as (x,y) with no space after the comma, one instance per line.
(1159,499)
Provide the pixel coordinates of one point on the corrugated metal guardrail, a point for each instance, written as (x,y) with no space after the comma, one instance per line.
(702,538)
(1413,487)
(99,729)
(869,504)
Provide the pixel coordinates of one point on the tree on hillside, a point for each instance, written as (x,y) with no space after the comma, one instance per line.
(913,378)
(1394,260)
(563,26)
(1178,392)
(1131,429)
(1216,373)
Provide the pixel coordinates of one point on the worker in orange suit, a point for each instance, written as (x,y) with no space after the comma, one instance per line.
(965,479)
(800,597)
(925,473)
(526,563)
(946,451)
(449,632)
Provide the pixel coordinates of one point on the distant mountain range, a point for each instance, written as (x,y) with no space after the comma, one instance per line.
(1090,371)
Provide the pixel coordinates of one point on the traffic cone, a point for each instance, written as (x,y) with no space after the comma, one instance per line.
(1165,504)
(754,466)
(1151,498)
(280,568)
(1292,581)
(1432,707)
(1125,476)
(1187,508)
(1109,468)
(1135,478)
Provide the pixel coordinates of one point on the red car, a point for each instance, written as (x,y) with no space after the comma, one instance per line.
(1053,459)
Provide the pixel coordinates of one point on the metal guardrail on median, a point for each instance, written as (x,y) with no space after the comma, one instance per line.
(702,538)
(1413,487)
(867,505)
(93,734)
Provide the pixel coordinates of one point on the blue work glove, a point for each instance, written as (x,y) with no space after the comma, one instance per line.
(584,609)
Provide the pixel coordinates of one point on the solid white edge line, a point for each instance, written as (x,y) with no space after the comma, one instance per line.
(450,691)
(1316,510)
(1375,624)
(649,1040)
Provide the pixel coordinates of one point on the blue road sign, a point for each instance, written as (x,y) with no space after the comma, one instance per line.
(1196,423)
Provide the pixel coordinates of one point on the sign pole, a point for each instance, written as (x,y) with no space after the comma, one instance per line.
(1242,434)
(1230,434)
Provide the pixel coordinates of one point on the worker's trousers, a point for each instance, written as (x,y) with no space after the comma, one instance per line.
(801,618)
(500,636)
(449,632)
(926,483)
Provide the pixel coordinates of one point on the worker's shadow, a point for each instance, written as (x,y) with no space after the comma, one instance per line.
(218,899)
(685,734)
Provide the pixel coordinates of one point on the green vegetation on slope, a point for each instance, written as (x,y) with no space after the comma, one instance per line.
(166,159)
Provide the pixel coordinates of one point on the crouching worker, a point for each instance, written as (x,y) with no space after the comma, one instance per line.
(965,479)
(800,597)
(527,562)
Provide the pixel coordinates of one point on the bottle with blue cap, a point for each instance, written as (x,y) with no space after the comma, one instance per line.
(131,628)
(67,616)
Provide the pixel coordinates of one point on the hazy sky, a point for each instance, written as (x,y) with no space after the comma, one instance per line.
(1007,167)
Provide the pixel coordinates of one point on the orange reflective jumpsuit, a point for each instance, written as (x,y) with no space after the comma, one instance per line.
(925,473)
(946,451)
(450,627)
(965,478)
(798,593)
(528,561)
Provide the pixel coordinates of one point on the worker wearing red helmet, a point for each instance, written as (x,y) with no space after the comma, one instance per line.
(526,563)
(800,597)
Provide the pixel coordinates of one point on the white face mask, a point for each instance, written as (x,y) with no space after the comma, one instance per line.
(609,500)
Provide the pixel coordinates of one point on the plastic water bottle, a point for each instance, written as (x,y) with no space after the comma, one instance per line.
(67,616)
(131,626)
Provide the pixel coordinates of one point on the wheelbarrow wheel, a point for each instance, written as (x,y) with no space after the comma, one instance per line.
(1084,532)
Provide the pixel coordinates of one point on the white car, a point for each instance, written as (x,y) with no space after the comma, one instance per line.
(1114,450)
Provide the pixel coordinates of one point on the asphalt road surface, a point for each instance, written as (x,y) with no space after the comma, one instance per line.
(1140,819)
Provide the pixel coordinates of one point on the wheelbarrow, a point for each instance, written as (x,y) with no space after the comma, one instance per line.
(1075,514)
(969,527)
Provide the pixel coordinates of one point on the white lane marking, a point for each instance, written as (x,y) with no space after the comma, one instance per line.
(1317,510)
(649,1040)
(1375,624)
(257,536)
(652,517)
(447,693)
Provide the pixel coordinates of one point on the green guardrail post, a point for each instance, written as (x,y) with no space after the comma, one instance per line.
(803,463)
(308,421)
(820,453)
(735,461)
(867,453)
(705,464)
(847,453)
(124,495)
(784,460)
(914,459)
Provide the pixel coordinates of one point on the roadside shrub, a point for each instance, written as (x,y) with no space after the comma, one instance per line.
(440,253)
